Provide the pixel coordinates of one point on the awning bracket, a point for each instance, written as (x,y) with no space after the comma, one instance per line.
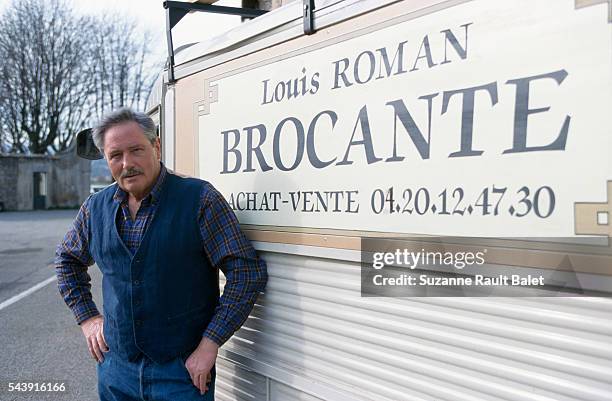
(176,10)
(308,6)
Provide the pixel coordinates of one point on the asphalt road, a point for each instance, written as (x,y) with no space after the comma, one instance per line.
(40,341)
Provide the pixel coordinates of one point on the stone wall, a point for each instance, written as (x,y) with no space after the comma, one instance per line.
(71,177)
(26,167)
(8,172)
(67,175)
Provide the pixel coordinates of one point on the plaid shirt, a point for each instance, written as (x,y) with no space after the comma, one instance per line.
(223,242)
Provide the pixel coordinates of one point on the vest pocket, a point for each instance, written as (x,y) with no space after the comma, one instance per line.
(110,332)
(108,320)
(191,314)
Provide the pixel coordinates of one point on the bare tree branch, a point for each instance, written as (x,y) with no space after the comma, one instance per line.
(60,71)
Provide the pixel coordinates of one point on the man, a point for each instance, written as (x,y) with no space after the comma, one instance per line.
(158,239)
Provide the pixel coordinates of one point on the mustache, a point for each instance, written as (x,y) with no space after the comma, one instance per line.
(131,172)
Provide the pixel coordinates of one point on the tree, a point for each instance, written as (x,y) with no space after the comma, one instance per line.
(43,81)
(122,74)
(61,71)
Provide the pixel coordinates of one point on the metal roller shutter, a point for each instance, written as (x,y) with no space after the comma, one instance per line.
(313,333)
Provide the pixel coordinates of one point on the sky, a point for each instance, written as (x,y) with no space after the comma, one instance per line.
(149,14)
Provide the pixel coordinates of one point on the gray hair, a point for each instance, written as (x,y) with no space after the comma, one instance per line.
(120,116)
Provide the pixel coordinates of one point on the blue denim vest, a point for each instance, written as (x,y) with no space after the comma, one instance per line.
(160,301)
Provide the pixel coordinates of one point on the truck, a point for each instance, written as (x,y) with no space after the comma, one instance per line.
(430,183)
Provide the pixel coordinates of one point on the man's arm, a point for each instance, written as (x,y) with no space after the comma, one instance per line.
(72,258)
(228,249)
(246,275)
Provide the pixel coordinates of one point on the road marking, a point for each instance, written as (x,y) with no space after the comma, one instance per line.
(27,292)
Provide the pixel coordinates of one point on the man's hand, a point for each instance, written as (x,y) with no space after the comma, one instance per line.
(93,329)
(200,363)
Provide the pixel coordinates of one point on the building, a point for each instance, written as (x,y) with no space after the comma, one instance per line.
(30,182)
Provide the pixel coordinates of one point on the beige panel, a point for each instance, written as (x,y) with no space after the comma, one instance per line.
(586,3)
(587,216)
(188,92)
(309,239)
(499,252)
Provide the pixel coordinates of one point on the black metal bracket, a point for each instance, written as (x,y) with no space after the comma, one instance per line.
(176,10)
(85,146)
(309,6)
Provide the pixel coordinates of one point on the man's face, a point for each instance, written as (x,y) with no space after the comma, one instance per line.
(132,159)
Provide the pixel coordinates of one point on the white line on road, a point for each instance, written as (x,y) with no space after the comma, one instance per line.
(27,292)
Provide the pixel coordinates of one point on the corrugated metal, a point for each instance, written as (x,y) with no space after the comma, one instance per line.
(313,325)
(236,383)
(279,391)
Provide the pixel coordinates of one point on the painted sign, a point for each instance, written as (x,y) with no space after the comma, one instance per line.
(483,119)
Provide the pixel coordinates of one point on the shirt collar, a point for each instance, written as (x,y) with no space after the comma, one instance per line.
(122,196)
